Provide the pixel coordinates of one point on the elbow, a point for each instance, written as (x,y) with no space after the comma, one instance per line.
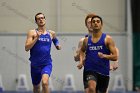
(115,58)
(58,47)
(26,49)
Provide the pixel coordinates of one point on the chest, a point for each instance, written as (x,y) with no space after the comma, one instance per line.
(45,39)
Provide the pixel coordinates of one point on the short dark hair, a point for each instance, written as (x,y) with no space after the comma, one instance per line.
(89,16)
(37,15)
(96,16)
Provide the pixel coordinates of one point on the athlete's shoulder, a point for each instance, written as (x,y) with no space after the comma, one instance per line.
(85,40)
(108,37)
(51,31)
(86,35)
(32,32)
(108,40)
(82,39)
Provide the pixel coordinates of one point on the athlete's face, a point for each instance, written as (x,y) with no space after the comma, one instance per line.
(40,20)
(89,24)
(96,24)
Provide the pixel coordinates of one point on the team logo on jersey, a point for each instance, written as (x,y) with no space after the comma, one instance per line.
(89,44)
(44,39)
(95,47)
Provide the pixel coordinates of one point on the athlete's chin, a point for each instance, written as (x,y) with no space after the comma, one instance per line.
(96,30)
(42,25)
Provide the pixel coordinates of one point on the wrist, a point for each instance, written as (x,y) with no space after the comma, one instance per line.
(104,56)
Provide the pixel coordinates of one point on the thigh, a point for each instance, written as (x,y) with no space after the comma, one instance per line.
(102,83)
(47,69)
(90,75)
(91,78)
(35,75)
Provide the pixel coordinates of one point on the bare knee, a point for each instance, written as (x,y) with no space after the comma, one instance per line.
(45,80)
(45,83)
(36,88)
(92,86)
(92,89)
(86,90)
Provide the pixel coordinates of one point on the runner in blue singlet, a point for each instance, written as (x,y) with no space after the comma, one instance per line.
(99,49)
(77,56)
(39,43)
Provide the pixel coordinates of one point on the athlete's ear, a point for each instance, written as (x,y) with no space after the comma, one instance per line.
(35,22)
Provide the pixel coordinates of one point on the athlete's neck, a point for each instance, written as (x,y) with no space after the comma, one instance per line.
(97,33)
(90,32)
(41,29)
